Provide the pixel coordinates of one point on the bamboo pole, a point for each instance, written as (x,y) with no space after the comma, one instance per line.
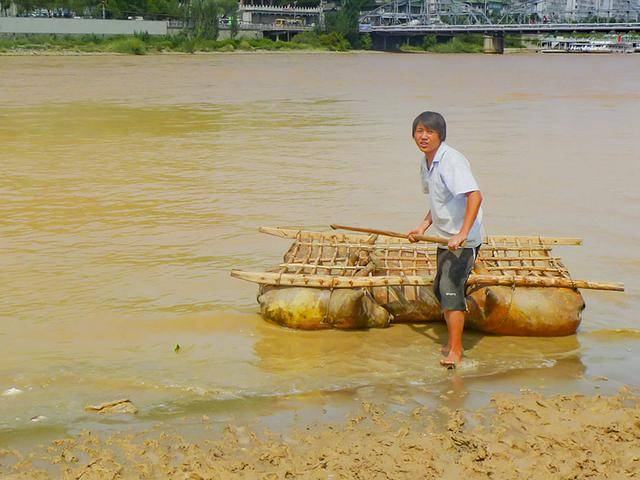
(528,239)
(331,281)
(328,236)
(531,281)
(535,239)
(388,233)
(409,247)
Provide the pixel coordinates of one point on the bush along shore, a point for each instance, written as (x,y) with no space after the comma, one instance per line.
(465,43)
(141,44)
(203,20)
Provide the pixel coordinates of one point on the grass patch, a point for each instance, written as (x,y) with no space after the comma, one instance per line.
(513,41)
(333,41)
(460,44)
(465,43)
(142,43)
(130,45)
(412,48)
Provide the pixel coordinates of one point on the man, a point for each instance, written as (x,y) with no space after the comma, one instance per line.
(454,214)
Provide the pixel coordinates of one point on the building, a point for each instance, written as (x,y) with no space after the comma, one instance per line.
(490,6)
(588,10)
(9,9)
(578,10)
(627,10)
(286,17)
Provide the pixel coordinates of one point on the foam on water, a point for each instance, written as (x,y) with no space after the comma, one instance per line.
(10,392)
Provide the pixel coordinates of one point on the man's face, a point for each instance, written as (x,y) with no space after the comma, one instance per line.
(426,139)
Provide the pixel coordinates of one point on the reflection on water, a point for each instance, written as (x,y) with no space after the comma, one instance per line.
(131,187)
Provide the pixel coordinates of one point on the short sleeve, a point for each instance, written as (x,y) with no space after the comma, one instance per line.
(456,175)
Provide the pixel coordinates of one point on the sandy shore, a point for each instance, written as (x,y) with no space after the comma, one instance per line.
(525,436)
(21,52)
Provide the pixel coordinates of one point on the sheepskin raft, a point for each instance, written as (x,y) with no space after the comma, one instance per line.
(354,281)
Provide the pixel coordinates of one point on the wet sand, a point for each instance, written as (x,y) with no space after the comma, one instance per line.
(526,435)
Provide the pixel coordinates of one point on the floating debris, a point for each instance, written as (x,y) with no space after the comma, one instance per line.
(114,407)
(11,391)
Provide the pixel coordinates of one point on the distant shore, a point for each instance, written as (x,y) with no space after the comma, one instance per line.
(73,53)
(144,44)
(527,435)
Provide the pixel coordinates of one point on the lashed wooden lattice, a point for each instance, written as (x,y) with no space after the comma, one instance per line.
(336,260)
(330,254)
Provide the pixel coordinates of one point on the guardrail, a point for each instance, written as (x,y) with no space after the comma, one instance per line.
(268,8)
(252,26)
(275,28)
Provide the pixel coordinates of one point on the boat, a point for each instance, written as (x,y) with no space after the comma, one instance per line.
(372,280)
(586,45)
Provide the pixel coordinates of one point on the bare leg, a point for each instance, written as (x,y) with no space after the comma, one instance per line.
(455,326)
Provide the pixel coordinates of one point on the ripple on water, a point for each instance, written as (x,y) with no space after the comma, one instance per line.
(613,334)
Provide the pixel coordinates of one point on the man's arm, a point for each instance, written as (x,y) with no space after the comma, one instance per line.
(426,223)
(474,200)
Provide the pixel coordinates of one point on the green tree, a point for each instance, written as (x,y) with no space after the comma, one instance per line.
(235,27)
(347,21)
(429,41)
(228,7)
(204,16)
(77,6)
(25,5)
(366,42)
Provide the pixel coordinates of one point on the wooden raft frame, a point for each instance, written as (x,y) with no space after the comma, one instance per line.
(338,260)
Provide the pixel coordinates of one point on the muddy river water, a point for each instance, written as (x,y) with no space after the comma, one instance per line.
(131,186)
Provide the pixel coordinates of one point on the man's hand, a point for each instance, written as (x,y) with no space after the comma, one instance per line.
(417,231)
(457,240)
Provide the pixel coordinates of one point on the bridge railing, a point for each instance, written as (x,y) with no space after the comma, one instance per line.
(276,9)
(458,12)
(505,27)
(272,27)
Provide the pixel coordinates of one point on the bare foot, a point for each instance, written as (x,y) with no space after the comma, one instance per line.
(445,350)
(452,359)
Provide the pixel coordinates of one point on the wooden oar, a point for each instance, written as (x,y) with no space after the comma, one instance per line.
(420,238)
(526,241)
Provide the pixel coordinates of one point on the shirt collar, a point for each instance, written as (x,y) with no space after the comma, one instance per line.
(439,154)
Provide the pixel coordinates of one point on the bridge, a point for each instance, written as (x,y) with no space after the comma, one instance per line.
(396,22)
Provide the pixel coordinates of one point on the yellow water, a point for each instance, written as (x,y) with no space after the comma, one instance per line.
(131,186)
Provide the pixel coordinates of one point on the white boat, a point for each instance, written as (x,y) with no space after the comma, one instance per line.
(586,45)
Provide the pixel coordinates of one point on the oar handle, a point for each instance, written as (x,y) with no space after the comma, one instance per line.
(388,233)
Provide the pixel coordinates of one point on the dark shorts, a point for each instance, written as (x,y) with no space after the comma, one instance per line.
(454,268)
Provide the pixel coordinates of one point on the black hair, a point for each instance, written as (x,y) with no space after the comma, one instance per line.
(433,121)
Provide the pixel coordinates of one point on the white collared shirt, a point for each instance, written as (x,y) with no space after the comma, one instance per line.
(446,183)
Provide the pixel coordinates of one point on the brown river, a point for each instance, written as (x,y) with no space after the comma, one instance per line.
(131,186)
